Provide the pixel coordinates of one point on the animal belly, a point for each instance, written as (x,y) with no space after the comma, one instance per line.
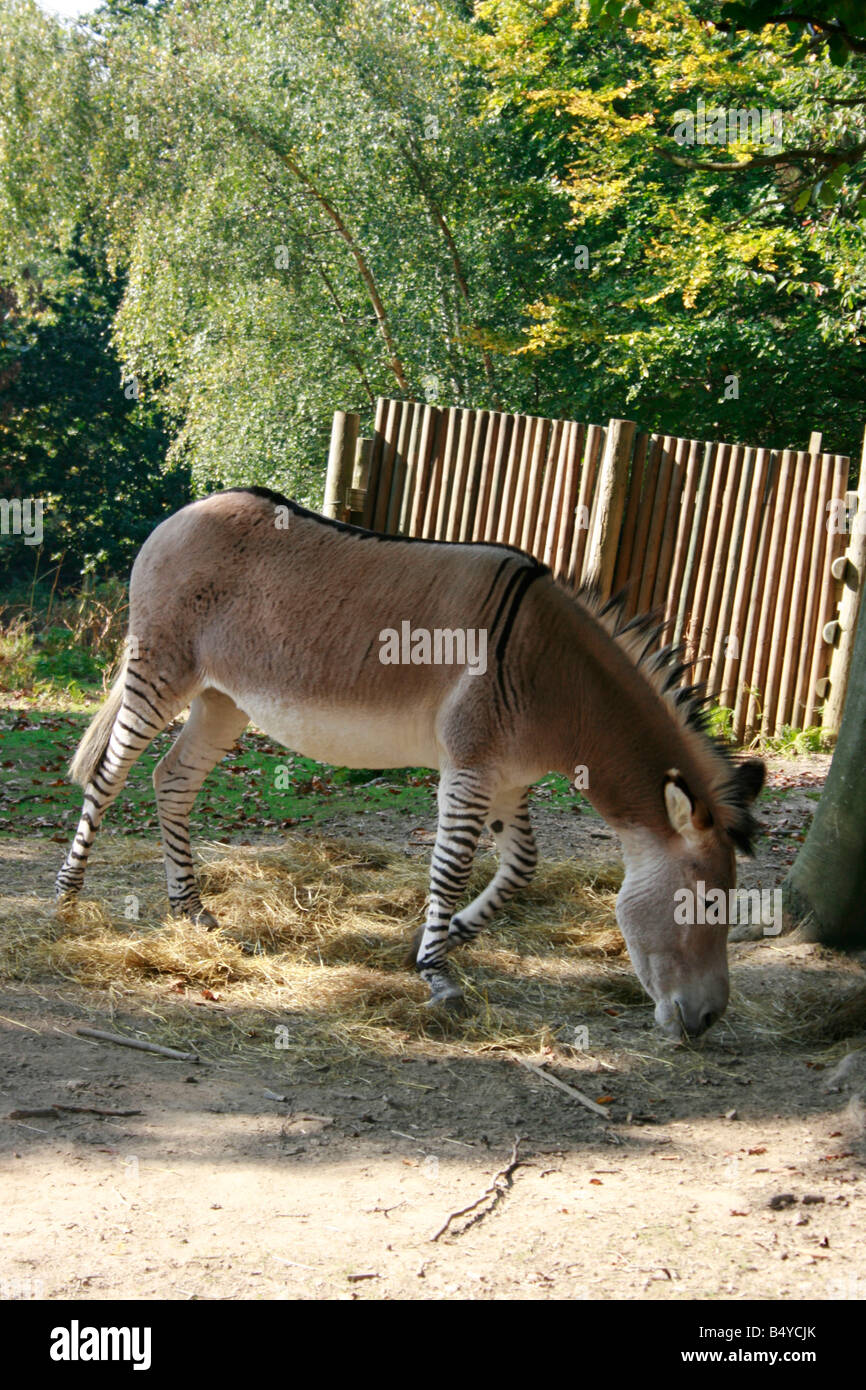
(347,737)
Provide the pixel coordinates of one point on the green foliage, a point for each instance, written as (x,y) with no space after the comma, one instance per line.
(792,741)
(60,649)
(72,433)
(720,723)
(242,796)
(17,658)
(61,662)
(264,211)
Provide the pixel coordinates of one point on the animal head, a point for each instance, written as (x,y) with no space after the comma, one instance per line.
(677,946)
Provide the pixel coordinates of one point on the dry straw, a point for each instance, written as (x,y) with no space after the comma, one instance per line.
(312,940)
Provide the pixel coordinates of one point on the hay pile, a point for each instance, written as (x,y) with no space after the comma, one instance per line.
(313,936)
(312,940)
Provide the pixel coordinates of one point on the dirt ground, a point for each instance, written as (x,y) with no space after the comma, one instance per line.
(729,1169)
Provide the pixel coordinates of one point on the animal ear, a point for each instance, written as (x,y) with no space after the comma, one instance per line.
(678,802)
(749,778)
(687,817)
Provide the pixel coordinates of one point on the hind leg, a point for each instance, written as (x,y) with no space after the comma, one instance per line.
(145,711)
(463,808)
(214,725)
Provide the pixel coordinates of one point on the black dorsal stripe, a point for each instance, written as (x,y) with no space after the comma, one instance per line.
(268,495)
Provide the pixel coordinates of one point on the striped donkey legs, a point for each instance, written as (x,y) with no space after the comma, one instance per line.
(213,726)
(518,856)
(143,709)
(463,809)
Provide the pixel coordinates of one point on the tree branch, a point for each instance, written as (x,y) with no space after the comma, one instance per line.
(243,123)
(438,218)
(829,158)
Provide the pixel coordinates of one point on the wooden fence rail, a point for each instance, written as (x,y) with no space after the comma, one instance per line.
(754,557)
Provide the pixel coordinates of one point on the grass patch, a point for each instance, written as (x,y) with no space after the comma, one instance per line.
(258,788)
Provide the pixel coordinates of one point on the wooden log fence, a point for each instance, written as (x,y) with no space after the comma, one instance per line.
(754,558)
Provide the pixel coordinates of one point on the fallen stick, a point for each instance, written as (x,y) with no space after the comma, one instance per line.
(49,1112)
(496,1190)
(140,1046)
(569,1090)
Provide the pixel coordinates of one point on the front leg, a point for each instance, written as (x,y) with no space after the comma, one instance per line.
(464,801)
(509,821)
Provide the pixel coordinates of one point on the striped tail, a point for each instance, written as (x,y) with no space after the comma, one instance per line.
(90,750)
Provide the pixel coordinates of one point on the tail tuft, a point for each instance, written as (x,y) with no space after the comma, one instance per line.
(90,750)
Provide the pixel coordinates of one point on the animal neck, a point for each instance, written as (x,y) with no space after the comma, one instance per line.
(616,735)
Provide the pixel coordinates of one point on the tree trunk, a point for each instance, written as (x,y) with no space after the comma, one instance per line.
(825,890)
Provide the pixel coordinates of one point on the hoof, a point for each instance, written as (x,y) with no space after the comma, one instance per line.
(447,1005)
(199,916)
(204,919)
(445,992)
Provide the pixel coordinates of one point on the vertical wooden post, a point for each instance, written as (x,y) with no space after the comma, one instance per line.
(360,481)
(390,435)
(583,511)
(542,513)
(781,592)
(507,426)
(670,529)
(622,573)
(725,624)
(755,594)
(698,611)
(569,501)
(423,476)
(690,568)
(853,581)
(375,469)
(341,461)
(485,482)
(400,476)
(795,635)
(811,654)
(610,503)
(749,580)
(706,673)
(531,504)
(777,522)
(659,504)
(687,523)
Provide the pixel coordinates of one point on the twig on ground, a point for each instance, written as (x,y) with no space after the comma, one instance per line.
(140,1046)
(49,1112)
(494,1194)
(569,1090)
